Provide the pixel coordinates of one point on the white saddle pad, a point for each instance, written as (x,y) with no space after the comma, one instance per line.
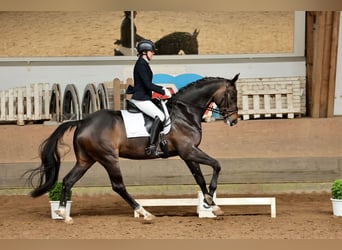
(134,124)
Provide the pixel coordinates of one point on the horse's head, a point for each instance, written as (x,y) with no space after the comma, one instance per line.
(226,101)
(190,44)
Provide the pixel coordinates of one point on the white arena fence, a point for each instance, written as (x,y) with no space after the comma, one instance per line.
(272,97)
(257,98)
(29,103)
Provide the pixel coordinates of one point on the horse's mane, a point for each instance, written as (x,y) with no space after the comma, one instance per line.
(203,80)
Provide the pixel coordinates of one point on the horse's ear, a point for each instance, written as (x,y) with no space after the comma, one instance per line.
(195,34)
(236,77)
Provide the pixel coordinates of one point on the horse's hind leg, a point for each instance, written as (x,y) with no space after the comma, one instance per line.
(68,182)
(111,164)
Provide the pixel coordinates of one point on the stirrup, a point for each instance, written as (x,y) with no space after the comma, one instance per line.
(151,150)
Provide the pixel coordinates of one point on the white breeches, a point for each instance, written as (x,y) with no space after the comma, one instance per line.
(149,109)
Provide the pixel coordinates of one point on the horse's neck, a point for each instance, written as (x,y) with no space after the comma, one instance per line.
(199,97)
(192,105)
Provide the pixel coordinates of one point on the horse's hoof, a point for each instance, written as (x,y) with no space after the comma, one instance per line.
(149,217)
(217,211)
(208,199)
(147,221)
(60,212)
(69,220)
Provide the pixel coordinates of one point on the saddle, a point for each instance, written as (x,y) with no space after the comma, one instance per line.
(148,122)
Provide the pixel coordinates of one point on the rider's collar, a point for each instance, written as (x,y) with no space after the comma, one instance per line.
(146,58)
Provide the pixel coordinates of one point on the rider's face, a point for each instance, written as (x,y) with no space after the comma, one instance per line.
(150,54)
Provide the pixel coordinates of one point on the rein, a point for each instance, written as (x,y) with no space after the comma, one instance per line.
(214,110)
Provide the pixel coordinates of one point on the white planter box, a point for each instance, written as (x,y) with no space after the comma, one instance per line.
(55,205)
(337,207)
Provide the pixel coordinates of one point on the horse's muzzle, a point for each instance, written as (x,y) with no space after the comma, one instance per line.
(231,119)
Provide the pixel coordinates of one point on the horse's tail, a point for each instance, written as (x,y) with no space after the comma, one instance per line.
(50,160)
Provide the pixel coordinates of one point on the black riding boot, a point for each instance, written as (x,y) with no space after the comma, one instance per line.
(155,130)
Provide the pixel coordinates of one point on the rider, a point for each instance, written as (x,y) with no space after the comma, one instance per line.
(143,88)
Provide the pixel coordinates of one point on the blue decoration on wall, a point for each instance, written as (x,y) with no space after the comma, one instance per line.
(179,81)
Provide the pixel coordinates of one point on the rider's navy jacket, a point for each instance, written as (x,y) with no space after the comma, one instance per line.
(143,85)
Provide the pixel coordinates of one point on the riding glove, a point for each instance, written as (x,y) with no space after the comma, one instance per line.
(167,92)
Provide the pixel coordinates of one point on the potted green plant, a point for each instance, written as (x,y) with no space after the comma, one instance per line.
(55,195)
(336,197)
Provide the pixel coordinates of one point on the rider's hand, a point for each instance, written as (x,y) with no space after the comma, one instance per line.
(167,92)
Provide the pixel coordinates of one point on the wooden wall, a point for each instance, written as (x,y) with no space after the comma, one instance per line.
(321,55)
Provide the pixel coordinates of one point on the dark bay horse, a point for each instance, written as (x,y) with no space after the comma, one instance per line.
(171,44)
(101,137)
(177,42)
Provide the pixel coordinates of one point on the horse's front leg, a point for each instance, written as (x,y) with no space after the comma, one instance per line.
(193,161)
(208,196)
(197,157)
(197,174)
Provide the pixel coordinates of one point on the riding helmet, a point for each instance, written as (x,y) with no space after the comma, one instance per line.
(146,45)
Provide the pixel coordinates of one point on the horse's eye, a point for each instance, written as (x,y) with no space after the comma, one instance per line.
(230,94)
